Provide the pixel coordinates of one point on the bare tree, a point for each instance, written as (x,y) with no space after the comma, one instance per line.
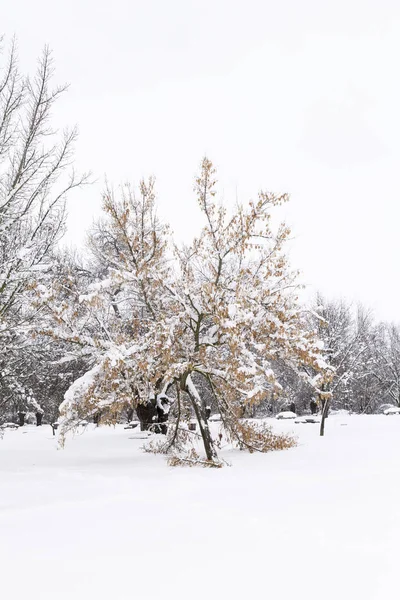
(36,175)
(385,363)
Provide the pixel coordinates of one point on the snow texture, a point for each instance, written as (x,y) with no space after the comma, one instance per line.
(97,519)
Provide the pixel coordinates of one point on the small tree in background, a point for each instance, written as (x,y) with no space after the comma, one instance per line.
(384,363)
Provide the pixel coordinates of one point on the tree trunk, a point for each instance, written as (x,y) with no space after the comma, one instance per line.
(209,448)
(39,417)
(324,414)
(145,414)
(21,418)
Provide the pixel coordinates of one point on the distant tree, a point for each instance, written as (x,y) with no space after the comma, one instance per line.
(363,391)
(345,350)
(384,365)
(364,356)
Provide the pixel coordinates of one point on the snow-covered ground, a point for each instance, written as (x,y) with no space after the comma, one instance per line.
(100,519)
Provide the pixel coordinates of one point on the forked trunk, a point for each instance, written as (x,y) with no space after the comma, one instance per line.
(209,447)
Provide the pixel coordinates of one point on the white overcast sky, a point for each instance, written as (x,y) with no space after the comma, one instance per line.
(300,96)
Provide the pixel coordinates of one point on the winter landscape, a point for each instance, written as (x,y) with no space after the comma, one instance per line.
(185,408)
(102,519)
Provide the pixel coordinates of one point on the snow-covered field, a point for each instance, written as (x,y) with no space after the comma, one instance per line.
(100,519)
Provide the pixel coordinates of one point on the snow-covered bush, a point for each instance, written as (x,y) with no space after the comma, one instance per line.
(392,411)
(384,407)
(286,414)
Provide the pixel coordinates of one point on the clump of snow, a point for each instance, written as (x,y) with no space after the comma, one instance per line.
(75,391)
(192,389)
(392,411)
(164,403)
(9,426)
(383,407)
(215,417)
(286,414)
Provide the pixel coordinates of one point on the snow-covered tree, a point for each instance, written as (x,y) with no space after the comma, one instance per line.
(233,312)
(35,179)
(384,363)
(346,343)
(104,314)
(223,310)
